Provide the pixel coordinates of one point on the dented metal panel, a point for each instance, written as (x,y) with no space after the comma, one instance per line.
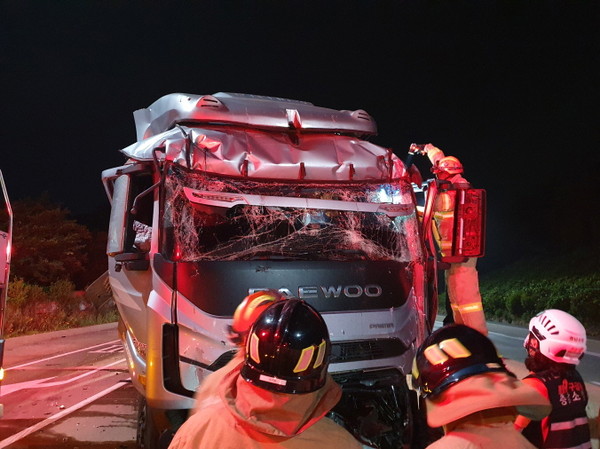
(249,111)
(262,137)
(271,155)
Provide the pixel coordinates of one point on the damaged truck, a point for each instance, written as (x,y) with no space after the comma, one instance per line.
(223,195)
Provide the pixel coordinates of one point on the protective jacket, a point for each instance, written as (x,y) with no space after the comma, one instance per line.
(246,416)
(483,436)
(567,425)
(462,279)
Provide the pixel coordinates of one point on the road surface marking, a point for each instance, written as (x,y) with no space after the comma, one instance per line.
(499,334)
(8,389)
(60,355)
(40,425)
(109,350)
(23,385)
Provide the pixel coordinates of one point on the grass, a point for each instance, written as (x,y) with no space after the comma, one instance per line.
(567,281)
(33,309)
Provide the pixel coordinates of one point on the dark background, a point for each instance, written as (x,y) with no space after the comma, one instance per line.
(510,87)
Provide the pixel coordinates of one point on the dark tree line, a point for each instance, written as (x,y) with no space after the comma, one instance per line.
(49,246)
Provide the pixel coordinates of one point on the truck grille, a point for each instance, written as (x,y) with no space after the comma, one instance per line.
(341,352)
(353,351)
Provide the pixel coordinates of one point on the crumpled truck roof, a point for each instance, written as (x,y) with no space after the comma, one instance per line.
(262,137)
(251,111)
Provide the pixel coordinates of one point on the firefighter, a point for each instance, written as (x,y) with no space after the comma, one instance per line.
(279,395)
(462,281)
(470,393)
(244,316)
(555,344)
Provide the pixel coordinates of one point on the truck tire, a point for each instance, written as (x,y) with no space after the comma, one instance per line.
(156,428)
(147,433)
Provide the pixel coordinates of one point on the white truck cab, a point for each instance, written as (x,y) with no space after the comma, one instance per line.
(226,194)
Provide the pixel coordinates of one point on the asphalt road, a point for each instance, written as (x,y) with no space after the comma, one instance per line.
(67,389)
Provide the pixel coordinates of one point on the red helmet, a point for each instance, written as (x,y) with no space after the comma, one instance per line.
(451,354)
(448,164)
(248,311)
(288,349)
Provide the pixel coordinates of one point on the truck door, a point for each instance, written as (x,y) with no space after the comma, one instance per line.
(5,250)
(132,200)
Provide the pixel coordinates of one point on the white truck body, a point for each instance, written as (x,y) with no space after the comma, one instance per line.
(233,193)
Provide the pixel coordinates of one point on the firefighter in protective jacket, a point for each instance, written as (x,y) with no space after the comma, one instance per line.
(279,395)
(470,393)
(462,280)
(555,344)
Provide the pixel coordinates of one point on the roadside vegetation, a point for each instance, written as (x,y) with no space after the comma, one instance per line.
(32,308)
(56,271)
(569,281)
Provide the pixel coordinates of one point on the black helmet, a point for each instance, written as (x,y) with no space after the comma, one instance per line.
(451,354)
(287,350)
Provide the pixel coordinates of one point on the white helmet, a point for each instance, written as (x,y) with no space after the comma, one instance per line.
(561,336)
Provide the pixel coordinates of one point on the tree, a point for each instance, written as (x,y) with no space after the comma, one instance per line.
(47,245)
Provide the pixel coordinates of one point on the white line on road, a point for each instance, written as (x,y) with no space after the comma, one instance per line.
(8,389)
(504,335)
(118,347)
(53,418)
(60,355)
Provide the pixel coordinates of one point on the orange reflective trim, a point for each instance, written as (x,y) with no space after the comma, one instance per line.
(253,348)
(320,354)
(472,307)
(443,215)
(435,355)
(415,369)
(304,360)
(454,348)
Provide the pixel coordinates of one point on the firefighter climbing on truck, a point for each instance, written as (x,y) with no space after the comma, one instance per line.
(462,281)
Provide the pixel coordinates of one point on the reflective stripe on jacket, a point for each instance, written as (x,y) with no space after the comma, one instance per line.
(567,425)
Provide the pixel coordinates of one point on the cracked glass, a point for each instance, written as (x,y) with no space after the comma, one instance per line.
(199,232)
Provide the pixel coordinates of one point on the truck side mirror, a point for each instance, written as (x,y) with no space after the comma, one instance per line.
(118,215)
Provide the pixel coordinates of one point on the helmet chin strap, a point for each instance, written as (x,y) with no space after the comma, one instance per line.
(538,362)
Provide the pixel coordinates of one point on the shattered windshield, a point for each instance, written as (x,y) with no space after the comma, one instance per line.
(199,229)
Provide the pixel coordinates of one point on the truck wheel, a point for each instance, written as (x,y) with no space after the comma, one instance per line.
(153,431)
(147,433)
(157,427)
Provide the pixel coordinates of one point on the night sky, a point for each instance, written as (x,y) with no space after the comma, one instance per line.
(510,87)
